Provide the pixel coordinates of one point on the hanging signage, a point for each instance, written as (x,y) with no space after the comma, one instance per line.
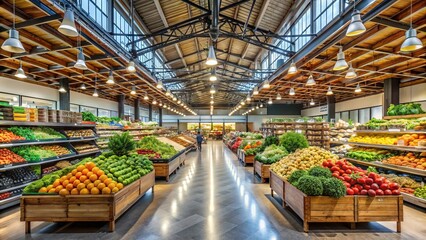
(323,109)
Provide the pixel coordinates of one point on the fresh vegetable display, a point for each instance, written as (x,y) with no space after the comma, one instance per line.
(85,147)
(302,159)
(420,192)
(271,154)
(293,141)
(38,153)
(79,133)
(380,124)
(121,144)
(251,136)
(412,160)
(368,154)
(7,136)
(403,181)
(152,143)
(38,133)
(359,181)
(88,116)
(9,157)
(251,148)
(270,140)
(23,132)
(404,109)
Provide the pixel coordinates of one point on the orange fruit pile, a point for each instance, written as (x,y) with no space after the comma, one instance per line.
(84,179)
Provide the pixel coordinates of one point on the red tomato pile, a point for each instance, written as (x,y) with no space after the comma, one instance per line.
(359,181)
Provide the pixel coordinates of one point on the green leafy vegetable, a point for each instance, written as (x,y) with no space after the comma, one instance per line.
(318,171)
(310,185)
(88,116)
(293,141)
(121,144)
(334,187)
(296,175)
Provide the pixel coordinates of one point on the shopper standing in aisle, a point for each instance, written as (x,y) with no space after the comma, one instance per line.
(199,140)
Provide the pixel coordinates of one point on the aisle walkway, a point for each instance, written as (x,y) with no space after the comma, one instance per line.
(212,197)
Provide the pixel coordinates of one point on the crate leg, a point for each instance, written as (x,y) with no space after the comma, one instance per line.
(167,178)
(305,226)
(352,225)
(27,227)
(272,193)
(263,180)
(398,226)
(112,226)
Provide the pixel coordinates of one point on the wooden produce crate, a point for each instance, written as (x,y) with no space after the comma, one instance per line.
(262,170)
(83,208)
(165,169)
(246,159)
(277,185)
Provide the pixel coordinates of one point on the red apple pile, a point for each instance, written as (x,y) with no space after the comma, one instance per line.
(359,181)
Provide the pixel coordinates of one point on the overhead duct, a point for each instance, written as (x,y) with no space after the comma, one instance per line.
(214,28)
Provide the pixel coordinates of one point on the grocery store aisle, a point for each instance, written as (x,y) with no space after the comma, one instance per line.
(211,197)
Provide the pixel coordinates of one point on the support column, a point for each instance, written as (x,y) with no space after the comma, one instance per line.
(391,93)
(160,117)
(247,128)
(64,98)
(137,105)
(121,106)
(331,108)
(178,123)
(150,112)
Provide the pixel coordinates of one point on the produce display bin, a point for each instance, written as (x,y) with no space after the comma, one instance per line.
(83,208)
(165,167)
(246,159)
(262,170)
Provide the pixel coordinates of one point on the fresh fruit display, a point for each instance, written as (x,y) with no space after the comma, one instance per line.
(293,141)
(7,136)
(237,143)
(369,154)
(251,145)
(57,149)
(62,164)
(81,133)
(420,192)
(9,157)
(50,169)
(85,147)
(121,144)
(404,109)
(272,154)
(152,143)
(403,181)
(402,124)
(151,154)
(16,177)
(301,159)
(374,139)
(10,194)
(38,153)
(38,133)
(359,181)
(411,140)
(341,150)
(412,160)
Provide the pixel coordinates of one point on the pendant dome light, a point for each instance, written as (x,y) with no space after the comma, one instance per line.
(13,44)
(329,91)
(351,72)
(291,92)
(248,99)
(243,103)
(257,106)
(154,102)
(212,90)
(83,86)
(211,102)
(131,66)
(266,84)
(62,89)
(133,92)
(270,101)
(341,63)
(311,81)
(293,68)
(278,96)
(160,104)
(20,73)
(145,97)
(168,92)
(68,25)
(179,101)
(160,84)
(211,57)
(81,63)
(261,105)
(411,42)
(110,78)
(256,91)
(95,92)
(211,96)
(174,98)
(356,27)
(358,88)
(312,103)
(213,76)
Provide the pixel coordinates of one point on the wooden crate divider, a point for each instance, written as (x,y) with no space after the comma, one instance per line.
(262,170)
(83,208)
(246,159)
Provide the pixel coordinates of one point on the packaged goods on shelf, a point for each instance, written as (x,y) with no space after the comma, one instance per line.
(80,133)
(53,116)
(16,177)
(341,150)
(21,114)
(43,115)
(85,147)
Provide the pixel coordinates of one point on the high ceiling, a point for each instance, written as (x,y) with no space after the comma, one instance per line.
(180,31)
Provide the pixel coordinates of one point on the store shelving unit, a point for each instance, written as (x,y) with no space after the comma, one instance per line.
(57,126)
(317,133)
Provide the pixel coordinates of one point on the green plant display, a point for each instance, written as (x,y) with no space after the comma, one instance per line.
(88,116)
(293,141)
(310,185)
(296,175)
(121,144)
(334,187)
(318,171)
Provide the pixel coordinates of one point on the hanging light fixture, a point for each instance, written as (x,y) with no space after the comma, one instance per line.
(329,91)
(256,91)
(83,86)
(213,76)
(13,44)
(257,106)
(95,93)
(278,96)
(211,57)
(351,72)
(243,103)
(211,102)
(212,90)
(154,102)
(341,63)
(266,84)
(160,84)
(131,66)
(356,27)
(62,89)
(81,63)
(160,104)
(270,101)
(261,105)
(133,92)
(174,98)
(179,101)
(68,25)
(145,97)
(293,68)
(20,73)
(291,92)
(110,78)
(312,103)
(211,96)
(168,93)
(411,42)
(311,81)
(358,88)
(248,99)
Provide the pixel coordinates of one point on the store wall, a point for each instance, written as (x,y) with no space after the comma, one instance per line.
(86,100)
(257,120)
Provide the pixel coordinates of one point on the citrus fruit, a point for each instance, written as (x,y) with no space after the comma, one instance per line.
(76,182)
(78,175)
(63,178)
(65,183)
(111,185)
(73,172)
(87,181)
(96,182)
(49,187)
(85,171)
(69,186)
(84,191)
(59,188)
(89,174)
(80,168)
(52,190)
(72,179)
(108,181)
(81,186)
(93,177)
(95,170)
(69,175)
(106,190)
(101,186)
(115,189)
(102,177)
(74,191)
(89,165)
(100,173)
(83,178)
(43,190)
(94,191)
(90,186)
(120,186)
(56,183)
(64,192)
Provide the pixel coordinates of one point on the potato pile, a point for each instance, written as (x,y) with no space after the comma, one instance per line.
(302,159)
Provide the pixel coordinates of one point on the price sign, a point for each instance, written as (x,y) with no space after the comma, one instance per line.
(400,142)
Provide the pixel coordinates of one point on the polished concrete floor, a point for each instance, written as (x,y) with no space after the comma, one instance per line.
(211,197)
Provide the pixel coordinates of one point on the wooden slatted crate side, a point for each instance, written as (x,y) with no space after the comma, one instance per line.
(277,185)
